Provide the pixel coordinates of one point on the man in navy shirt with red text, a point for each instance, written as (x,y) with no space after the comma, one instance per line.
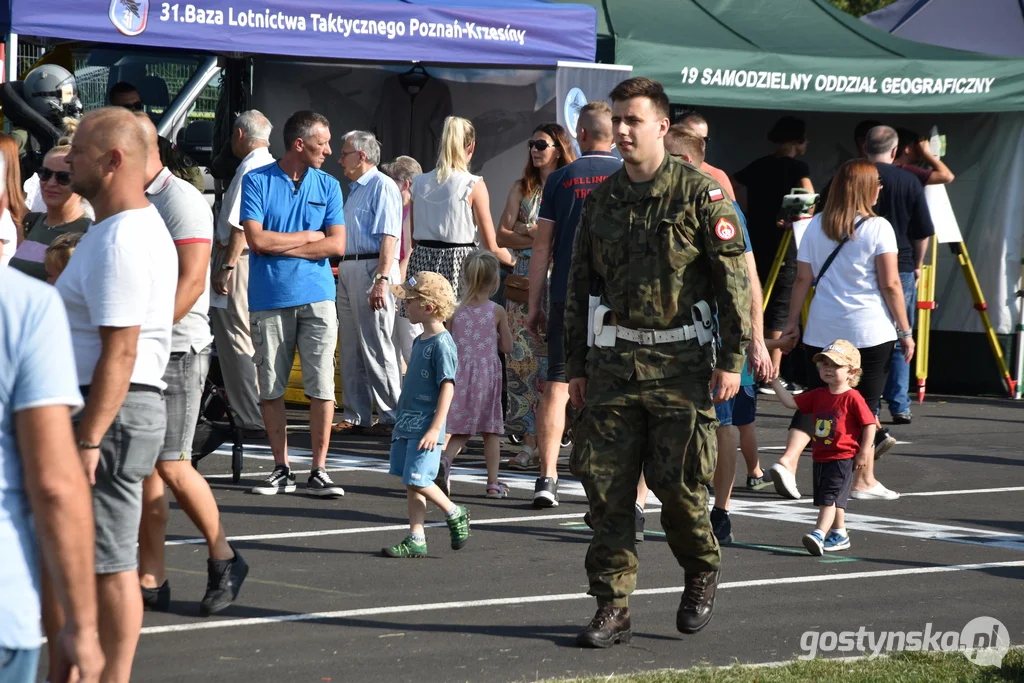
(564,194)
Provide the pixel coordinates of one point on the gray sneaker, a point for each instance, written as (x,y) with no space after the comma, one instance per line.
(639,519)
(759,483)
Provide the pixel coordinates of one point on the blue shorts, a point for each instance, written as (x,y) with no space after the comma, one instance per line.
(415,467)
(739,411)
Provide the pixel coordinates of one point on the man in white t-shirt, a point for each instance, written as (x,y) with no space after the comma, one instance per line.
(190,223)
(250,142)
(119,289)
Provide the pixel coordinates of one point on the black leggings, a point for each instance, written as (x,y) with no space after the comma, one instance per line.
(874,362)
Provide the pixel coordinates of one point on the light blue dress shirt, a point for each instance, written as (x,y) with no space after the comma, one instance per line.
(373,209)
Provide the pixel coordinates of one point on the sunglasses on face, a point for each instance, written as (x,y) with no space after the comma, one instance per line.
(539,145)
(63,177)
(134,106)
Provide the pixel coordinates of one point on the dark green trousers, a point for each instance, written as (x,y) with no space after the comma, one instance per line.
(666,429)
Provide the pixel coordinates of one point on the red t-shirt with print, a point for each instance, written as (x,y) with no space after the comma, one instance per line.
(839,421)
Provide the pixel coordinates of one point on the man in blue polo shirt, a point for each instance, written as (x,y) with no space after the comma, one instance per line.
(564,194)
(294,221)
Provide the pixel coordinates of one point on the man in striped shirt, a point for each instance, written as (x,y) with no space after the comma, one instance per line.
(366,309)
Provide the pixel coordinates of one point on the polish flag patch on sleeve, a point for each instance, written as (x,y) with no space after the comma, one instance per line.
(716,195)
(725,230)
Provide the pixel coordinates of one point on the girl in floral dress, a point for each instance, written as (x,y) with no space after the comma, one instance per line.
(481,332)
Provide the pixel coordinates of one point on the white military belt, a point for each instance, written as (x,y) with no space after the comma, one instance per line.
(646,337)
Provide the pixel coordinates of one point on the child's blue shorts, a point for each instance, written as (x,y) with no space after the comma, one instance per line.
(739,411)
(415,467)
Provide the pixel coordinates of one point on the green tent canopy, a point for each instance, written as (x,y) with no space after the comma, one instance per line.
(797,55)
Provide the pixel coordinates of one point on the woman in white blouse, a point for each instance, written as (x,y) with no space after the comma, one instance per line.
(858,298)
(451,209)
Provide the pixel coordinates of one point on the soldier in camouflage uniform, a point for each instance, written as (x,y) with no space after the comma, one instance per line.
(661,236)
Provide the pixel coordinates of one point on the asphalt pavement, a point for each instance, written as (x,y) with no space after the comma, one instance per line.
(321,604)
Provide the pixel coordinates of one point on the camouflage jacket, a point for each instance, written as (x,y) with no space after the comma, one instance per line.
(659,250)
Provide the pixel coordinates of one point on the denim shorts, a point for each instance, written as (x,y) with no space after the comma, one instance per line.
(18,666)
(128,453)
(415,467)
(739,411)
(185,377)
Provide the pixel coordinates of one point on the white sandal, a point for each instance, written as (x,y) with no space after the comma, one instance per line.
(527,459)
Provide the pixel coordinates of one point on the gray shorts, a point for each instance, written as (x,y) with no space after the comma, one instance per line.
(313,328)
(185,376)
(128,452)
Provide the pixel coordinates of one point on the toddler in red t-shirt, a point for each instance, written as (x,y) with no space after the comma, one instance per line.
(843,440)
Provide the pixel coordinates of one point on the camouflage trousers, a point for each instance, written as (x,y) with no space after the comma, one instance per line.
(664,428)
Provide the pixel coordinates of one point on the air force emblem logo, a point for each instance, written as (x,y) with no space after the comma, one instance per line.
(129,16)
(574,102)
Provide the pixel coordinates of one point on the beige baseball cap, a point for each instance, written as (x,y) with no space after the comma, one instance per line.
(842,353)
(433,288)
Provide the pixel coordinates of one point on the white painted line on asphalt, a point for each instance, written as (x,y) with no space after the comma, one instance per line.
(387,527)
(859,523)
(530,599)
(963,492)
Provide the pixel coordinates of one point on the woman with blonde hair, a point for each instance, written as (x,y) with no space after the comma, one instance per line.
(849,255)
(33,186)
(451,209)
(549,149)
(64,214)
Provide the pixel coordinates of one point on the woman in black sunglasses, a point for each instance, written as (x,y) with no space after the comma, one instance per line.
(549,148)
(64,213)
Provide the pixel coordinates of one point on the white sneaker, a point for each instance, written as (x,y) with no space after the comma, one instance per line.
(785,482)
(876,492)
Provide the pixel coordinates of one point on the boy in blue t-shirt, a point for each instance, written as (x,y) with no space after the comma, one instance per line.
(418,436)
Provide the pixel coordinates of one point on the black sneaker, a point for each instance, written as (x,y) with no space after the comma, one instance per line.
(223,581)
(638,521)
(902,418)
(319,484)
(156,599)
(721,525)
(545,493)
(281,480)
(883,443)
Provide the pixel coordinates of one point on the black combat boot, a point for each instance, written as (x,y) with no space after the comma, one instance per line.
(609,626)
(697,605)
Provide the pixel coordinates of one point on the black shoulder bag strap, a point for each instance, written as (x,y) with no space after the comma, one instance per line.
(835,252)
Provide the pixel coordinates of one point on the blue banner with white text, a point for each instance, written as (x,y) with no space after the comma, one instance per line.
(514,33)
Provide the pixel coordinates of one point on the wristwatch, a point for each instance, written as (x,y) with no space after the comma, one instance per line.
(225,266)
(905,334)
(377,277)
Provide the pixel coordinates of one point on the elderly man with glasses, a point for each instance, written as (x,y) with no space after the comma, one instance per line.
(366,309)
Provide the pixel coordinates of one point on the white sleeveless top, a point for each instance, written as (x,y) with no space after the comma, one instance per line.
(440,211)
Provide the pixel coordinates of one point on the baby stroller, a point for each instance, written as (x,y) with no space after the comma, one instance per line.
(217,423)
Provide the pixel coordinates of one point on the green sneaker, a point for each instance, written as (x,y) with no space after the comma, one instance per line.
(459,528)
(408,548)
